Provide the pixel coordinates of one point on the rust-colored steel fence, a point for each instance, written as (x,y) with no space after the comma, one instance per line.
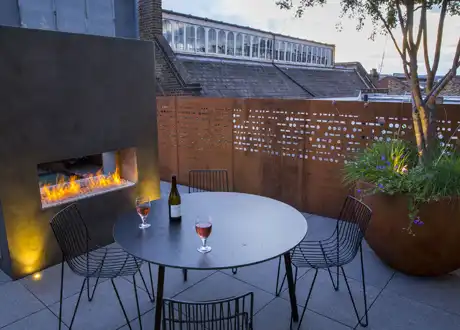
(290,150)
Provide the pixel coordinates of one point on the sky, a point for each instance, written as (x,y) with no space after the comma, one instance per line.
(319,24)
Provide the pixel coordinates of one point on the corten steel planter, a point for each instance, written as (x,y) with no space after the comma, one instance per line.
(433,250)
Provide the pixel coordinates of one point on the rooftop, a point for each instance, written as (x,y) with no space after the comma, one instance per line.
(396,301)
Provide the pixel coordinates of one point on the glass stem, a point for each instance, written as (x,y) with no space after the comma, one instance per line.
(203,241)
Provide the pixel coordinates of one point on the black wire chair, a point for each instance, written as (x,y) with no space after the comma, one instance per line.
(224,314)
(207,180)
(91,261)
(335,252)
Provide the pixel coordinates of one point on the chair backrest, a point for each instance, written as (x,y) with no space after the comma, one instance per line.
(352,223)
(207,180)
(231,313)
(71,233)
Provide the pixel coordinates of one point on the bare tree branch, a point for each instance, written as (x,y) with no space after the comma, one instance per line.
(388,29)
(447,78)
(437,52)
(421,25)
(426,56)
(410,24)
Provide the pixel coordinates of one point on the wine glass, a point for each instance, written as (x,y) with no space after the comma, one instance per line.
(143,209)
(203,228)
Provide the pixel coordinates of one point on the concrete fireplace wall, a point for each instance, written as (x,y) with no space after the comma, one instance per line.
(67,95)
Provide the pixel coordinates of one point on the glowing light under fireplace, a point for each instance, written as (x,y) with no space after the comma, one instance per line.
(73,189)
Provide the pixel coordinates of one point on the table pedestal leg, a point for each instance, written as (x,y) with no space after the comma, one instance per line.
(159,300)
(290,280)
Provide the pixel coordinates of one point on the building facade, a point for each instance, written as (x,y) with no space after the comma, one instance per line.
(188,34)
(200,56)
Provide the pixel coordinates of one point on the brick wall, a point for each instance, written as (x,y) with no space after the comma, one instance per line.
(151,28)
(150,19)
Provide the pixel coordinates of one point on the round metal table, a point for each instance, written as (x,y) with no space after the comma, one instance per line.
(246,230)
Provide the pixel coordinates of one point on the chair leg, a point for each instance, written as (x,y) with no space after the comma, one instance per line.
(306,302)
(91,296)
(336,287)
(78,302)
(366,322)
(60,296)
(151,296)
(234,270)
(121,304)
(278,291)
(184,271)
(137,302)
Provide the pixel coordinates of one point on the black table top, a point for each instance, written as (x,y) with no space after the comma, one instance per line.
(246,229)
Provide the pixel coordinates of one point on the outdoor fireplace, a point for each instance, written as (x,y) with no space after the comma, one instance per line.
(77,125)
(73,179)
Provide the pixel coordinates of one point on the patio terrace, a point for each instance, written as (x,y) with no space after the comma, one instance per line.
(396,301)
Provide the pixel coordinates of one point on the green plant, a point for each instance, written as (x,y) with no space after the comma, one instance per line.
(392,167)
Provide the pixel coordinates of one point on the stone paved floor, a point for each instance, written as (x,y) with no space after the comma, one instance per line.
(396,302)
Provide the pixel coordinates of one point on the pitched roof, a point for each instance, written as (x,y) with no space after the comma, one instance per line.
(230,78)
(326,82)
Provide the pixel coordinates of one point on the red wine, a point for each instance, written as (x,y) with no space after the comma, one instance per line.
(203,229)
(143,210)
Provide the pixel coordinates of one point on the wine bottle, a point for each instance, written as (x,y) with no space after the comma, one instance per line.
(174,202)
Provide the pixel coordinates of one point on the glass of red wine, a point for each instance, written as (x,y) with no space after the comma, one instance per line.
(203,228)
(143,209)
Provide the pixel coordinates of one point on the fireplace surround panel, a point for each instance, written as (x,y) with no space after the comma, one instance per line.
(65,96)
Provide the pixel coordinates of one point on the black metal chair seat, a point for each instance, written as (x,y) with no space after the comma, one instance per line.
(325,253)
(334,252)
(221,314)
(91,261)
(105,262)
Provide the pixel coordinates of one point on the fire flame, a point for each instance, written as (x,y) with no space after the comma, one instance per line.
(63,189)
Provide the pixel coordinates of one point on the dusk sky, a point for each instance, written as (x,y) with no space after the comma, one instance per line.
(319,24)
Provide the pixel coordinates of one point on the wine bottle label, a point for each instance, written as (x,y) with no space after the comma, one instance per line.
(175,211)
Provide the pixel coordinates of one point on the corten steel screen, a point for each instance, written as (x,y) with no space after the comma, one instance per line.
(290,150)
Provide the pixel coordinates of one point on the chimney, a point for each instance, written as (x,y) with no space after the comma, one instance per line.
(374,75)
(150,19)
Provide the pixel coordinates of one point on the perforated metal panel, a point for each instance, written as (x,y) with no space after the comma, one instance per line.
(290,150)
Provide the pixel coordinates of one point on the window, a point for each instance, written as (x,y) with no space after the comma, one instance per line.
(304,54)
(230,43)
(212,41)
(179,36)
(299,53)
(190,36)
(239,45)
(167,31)
(269,49)
(313,58)
(200,40)
(329,57)
(277,50)
(247,45)
(289,52)
(222,38)
(294,53)
(309,57)
(282,51)
(262,48)
(255,47)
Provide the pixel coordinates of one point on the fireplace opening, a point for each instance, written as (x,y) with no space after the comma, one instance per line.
(68,180)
